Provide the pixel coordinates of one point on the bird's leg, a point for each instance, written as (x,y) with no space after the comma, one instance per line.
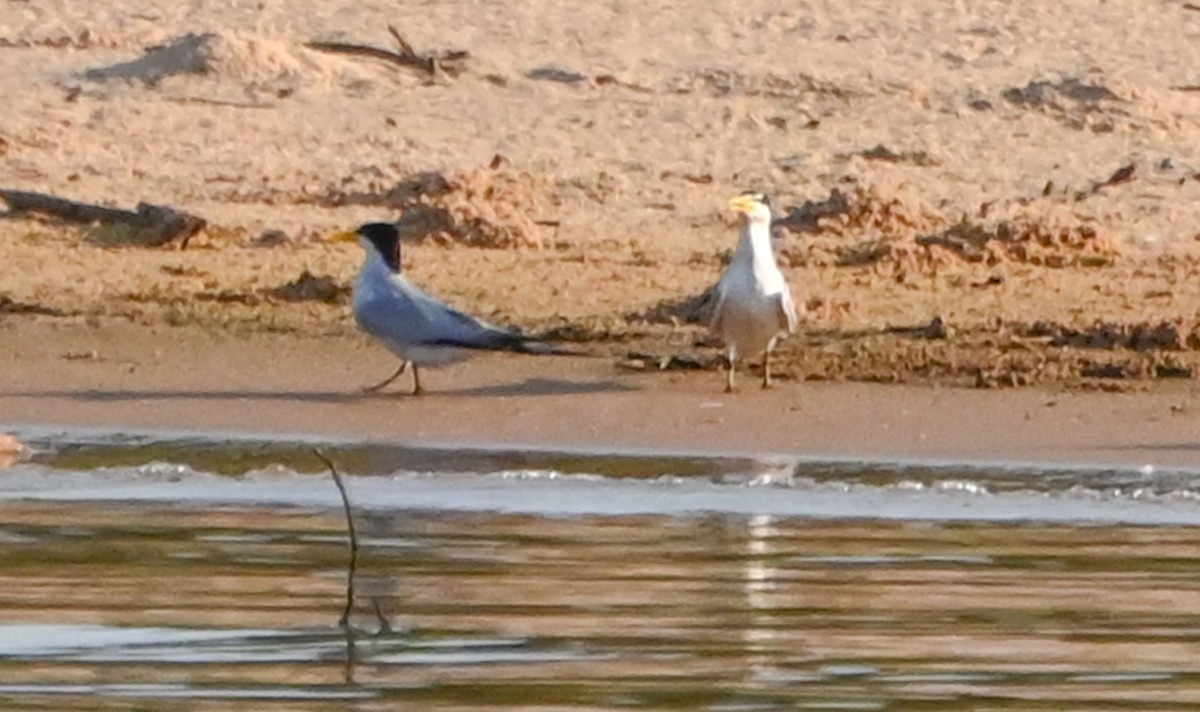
(766,382)
(389,379)
(416,391)
(732,358)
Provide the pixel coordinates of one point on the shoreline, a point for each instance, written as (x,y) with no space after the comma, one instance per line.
(103,436)
(137,378)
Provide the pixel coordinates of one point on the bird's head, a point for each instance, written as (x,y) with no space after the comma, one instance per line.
(381,238)
(755,206)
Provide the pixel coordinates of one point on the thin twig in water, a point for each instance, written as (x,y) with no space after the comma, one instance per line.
(351,656)
(344,621)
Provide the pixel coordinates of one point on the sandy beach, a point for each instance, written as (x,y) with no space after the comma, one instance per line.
(988,210)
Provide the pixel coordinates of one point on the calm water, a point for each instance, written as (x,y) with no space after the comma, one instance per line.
(137,574)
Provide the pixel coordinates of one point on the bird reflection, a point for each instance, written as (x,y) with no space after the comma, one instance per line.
(759,584)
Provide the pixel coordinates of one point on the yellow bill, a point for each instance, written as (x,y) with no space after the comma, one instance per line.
(742,203)
(344,236)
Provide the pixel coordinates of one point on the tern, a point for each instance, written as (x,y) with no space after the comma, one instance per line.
(411,323)
(754,306)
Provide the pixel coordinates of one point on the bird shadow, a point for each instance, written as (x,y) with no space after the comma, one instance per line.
(534,387)
(542,387)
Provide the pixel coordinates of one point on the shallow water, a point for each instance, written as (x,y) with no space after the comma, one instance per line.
(140,572)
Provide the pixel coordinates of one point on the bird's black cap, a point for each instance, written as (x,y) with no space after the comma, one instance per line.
(386,239)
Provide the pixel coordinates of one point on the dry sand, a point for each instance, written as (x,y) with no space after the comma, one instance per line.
(983,194)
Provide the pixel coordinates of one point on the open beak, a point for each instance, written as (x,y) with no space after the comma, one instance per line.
(346,236)
(742,204)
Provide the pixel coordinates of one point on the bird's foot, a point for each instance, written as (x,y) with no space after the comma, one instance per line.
(384,383)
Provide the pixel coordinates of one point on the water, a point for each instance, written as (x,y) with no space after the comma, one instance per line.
(137,573)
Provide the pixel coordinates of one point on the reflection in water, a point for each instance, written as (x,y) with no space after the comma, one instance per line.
(111,606)
(760,582)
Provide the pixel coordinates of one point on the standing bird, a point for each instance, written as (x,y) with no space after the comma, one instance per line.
(753,302)
(410,322)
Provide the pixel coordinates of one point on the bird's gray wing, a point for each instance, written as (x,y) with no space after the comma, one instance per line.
(787,311)
(407,315)
(718,307)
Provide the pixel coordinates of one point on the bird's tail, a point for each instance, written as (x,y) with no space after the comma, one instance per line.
(499,340)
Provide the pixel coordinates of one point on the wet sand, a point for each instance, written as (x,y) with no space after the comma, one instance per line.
(123,376)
